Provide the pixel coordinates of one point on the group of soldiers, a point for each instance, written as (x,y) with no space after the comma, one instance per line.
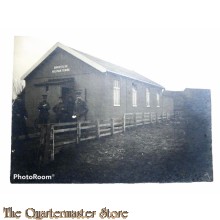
(65,111)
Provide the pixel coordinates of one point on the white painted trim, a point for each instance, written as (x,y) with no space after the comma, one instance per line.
(83,58)
(147,97)
(134,98)
(158,100)
(69,50)
(116,89)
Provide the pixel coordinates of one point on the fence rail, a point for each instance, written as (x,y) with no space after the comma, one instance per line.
(67,133)
(62,134)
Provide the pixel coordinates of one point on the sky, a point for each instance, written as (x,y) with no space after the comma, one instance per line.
(176,58)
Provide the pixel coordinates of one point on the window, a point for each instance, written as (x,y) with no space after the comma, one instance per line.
(134,96)
(147,97)
(158,100)
(116,93)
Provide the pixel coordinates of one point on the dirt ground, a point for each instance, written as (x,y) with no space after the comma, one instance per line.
(168,152)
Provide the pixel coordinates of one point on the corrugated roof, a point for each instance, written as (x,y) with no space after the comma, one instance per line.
(99,64)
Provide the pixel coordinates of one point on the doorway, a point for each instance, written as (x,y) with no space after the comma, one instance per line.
(66,92)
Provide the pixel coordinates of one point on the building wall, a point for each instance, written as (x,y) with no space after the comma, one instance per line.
(48,68)
(126,97)
(33,95)
(96,87)
(168,104)
(86,78)
(197,104)
(178,98)
(93,85)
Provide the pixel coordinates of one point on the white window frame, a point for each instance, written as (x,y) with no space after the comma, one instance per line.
(158,99)
(116,93)
(147,93)
(134,96)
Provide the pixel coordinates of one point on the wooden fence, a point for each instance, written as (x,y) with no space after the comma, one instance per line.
(75,132)
(53,137)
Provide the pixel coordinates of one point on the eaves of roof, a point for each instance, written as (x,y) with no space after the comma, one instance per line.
(100,65)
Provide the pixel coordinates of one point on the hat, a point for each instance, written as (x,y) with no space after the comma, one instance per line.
(78,92)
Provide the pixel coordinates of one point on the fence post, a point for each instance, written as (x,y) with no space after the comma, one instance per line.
(124,122)
(78,132)
(98,130)
(44,151)
(135,120)
(151,121)
(156,117)
(112,125)
(167,116)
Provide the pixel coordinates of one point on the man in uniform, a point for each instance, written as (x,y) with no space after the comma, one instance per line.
(80,108)
(60,111)
(69,105)
(19,117)
(43,108)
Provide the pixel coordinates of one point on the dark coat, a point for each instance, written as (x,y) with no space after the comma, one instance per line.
(69,109)
(43,108)
(19,115)
(61,112)
(80,108)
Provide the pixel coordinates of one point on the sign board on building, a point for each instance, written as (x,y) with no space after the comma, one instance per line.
(60,69)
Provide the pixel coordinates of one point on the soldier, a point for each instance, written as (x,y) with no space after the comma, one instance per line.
(80,108)
(69,108)
(43,108)
(19,117)
(60,111)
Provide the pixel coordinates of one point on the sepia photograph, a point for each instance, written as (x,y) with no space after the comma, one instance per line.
(80,118)
(110,109)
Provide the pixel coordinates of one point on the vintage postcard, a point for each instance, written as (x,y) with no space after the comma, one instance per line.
(77,118)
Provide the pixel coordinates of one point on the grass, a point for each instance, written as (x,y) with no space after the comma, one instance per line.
(168,152)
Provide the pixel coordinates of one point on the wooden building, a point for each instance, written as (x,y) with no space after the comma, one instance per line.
(109,90)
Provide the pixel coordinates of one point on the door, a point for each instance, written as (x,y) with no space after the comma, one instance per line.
(66,92)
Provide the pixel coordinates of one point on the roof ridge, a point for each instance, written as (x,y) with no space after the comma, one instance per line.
(97,63)
(131,71)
